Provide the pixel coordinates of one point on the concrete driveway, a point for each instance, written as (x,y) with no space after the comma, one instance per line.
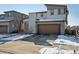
(42,39)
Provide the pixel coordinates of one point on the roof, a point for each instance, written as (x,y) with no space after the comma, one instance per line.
(40,12)
(14,11)
(2,14)
(62,5)
(51,20)
(10,11)
(5,20)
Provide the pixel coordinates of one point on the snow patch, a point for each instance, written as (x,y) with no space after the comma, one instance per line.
(14,36)
(55,50)
(69,40)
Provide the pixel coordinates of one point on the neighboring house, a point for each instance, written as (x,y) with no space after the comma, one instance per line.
(52,21)
(11,21)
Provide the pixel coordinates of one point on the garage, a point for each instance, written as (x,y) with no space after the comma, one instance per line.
(3,29)
(48,28)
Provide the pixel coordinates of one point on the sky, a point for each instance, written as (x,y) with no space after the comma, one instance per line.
(73,17)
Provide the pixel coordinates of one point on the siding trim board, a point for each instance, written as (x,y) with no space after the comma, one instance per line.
(48,22)
(38,21)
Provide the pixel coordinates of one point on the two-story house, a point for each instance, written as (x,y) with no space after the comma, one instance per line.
(52,21)
(11,21)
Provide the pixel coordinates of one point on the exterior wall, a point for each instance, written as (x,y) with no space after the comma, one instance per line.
(49,16)
(17,19)
(25,26)
(55,16)
(15,15)
(41,17)
(62,28)
(4,23)
(12,26)
(32,23)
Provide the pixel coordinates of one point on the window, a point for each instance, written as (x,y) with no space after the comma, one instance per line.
(52,12)
(41,14)
(9,14)
(61,11)
(13,25)
(37,19)
(2,17)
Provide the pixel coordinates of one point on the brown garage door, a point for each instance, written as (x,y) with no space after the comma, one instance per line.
(3,29)
(49,29)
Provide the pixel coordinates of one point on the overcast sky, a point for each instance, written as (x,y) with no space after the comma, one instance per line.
(73,18)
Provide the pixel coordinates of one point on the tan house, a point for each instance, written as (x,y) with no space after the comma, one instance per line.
(11,21)
(52,21)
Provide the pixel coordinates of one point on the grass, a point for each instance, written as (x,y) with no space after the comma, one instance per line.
(19,47)
(66,47)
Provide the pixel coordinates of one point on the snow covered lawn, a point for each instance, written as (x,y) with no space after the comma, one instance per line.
(69,40)
(55,50)
(14,36)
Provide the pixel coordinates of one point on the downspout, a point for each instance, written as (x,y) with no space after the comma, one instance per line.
(66,13)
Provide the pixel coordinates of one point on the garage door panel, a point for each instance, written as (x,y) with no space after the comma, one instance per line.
(3,29)
(49,29)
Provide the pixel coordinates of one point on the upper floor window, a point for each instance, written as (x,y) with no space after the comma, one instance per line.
(41,14)
(52,12)
(61,11)
(37,19)
(9,14)
(2,17)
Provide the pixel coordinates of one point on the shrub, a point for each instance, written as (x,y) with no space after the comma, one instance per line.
(70,32)
(74,32)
